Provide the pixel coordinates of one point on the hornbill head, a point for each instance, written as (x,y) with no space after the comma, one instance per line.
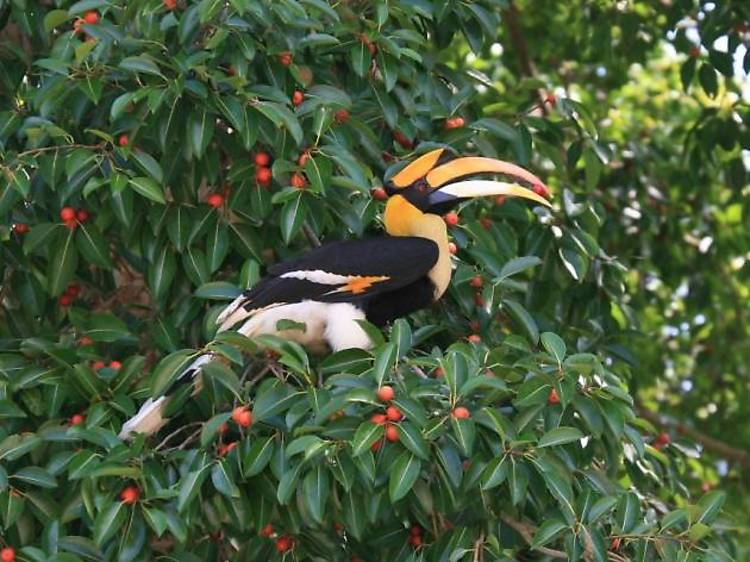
(438,180)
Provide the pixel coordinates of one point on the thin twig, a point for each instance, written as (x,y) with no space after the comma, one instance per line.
(190,439)
(176,432)
(311,236)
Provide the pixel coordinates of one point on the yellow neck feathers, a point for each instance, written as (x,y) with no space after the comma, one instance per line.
(404,219)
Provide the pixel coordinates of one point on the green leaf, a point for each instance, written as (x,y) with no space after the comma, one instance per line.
(628,510)
(495,473)
(403,475)
(218,290)
(162,272)
(385,359)
(53,18)
(36,476)
(211,427)
(293,216)
(547,532)
(554,345)
(149,165)
(109,522)
(168,369)
(522,316)
(148,188)
(107,328)
(560,436)
(93,246)
(222,480)
(62,268)
(190,486)
(710,506)
(411,437)
(367,434)
(465,432)
(200,131)
(360,58)
(315,488)
(141,63)
(258,456)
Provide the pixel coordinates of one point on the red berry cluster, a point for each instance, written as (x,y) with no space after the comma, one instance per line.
(71,293)
(661,440)
(454,123)
(20,228)
(72,217)
(91,17)
(114,365)
(242,416)
(263,173)
(415,536)
(392,414)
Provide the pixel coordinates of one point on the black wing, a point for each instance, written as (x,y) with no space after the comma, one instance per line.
(344,271)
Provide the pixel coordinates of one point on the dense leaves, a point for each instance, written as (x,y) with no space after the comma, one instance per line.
(170,131)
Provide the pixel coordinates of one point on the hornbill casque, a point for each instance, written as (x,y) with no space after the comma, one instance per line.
(331,287)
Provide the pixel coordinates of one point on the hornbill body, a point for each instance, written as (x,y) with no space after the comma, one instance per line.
(330,288)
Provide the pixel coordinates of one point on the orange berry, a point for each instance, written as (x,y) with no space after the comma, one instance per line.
(341,116)
(393,413)
(474,338)
(284,544)
(73,290)
(461,413)
(386,393)
(391,433)
(64,300)
(299,181)
(452,248)
(379,419)
(615,544)
(115,365)
(297,97)
(266,531)
(123,140)
(551,99)
(85,340)
(415,541)
(451,219)
(262,159)
(223,428)
(499,200)
(71,224)
(170,4)
(263,176)
(663,439)
(304,156)
(375,447)
(454,123)
(67,214)
(91,17)
(553,398)
(476,282)
(285,58)
(20,228)
(242,416)
(82,215)
(130,495)
(96,365)
(215,200)
(416,531)
(77,25)
(403,140)
(379,194)
(438,372)
(76,419)
(7,554)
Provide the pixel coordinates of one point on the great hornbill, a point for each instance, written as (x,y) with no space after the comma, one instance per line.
(331,287)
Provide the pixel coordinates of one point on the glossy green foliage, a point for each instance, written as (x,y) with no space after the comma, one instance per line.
(145,116)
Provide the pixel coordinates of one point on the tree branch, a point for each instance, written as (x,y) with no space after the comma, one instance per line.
(527,533)
(712,444)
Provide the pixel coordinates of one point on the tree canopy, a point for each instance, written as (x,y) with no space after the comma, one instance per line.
(579,392)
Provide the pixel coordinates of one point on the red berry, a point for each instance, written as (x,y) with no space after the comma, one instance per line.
(393,413)
(304,156)
(7,554)
(263,176)
(245,419)
(299,181)
(71,224)
(403,140)
(231,71)
(452,248)
(170,4)
(76,419)
(553,398)
(266,531)
(486,223)
(386,393)
(663,439)
(215,200)
(64,300)
(461,413)
(298,97)
(415,541)
(285,58)
(123,140)
(478,299)
(223,428)
(341,116)
(476,282)
(20,228)
(115,365)
(82,215)
(391,433)
(379,419)
(262,159)
(615,544)
(73,290)
(499,200)
(451,219)
(85,340)
(375,447)
(67,214)
(438,372)
(454,123)
(416,531)
(91,17)
(284,544)
(551,99)
(379,194)
(474,338)
(224,449)
(96,365)
(130,495)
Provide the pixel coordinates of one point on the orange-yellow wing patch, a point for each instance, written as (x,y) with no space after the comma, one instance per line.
(358,284)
